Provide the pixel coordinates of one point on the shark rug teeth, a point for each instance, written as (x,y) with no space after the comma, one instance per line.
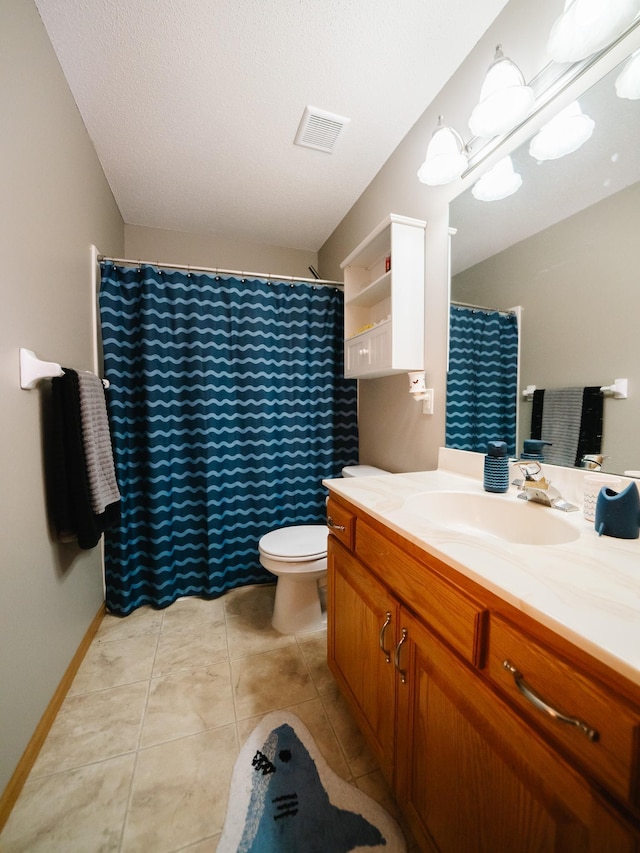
(284,798)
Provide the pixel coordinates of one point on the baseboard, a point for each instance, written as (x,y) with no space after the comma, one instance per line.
(16,783)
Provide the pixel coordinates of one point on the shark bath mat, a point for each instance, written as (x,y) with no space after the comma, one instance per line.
(285,798)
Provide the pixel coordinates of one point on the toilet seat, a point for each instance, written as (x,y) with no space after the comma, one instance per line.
(301,543)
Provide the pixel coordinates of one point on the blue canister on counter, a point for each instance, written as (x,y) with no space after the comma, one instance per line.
(618,513)
(496,467)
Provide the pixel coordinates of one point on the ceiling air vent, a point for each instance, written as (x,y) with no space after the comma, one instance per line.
(319,129)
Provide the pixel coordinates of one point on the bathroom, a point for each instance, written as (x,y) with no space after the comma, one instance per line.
(59,204)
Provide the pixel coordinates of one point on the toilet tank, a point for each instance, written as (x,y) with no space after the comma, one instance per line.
(362,471)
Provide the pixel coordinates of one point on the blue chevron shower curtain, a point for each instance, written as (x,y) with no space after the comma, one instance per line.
(482,383)
(228,408)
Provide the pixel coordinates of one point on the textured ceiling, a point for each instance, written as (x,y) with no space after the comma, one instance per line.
(193,106)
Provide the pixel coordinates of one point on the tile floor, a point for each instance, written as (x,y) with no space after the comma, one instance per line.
(140,755)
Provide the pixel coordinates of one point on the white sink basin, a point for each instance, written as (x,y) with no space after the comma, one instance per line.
(506,518)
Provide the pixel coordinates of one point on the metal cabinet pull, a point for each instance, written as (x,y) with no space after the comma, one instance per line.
(402,672)
(331,523)
(385,652)
(541,705)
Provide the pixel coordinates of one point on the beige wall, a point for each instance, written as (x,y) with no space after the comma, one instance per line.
(212,250)
(56,203)
(393,432)
(578,285)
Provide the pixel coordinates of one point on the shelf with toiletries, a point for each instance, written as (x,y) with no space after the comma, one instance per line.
(384,300)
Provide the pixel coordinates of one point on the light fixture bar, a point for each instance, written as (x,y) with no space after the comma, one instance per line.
(569,75)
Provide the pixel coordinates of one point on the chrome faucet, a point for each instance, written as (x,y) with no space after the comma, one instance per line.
(535,487)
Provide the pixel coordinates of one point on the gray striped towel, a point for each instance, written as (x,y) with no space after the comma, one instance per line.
(561,418)
(96,440)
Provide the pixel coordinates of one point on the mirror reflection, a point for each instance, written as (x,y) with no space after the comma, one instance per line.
(565,248)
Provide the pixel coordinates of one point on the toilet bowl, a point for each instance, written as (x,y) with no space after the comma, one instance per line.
(298,557)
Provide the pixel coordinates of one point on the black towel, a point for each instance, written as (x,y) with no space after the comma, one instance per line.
(589,429)
(71,510)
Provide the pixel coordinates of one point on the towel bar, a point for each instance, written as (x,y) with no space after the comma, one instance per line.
(33,369)
(619,390)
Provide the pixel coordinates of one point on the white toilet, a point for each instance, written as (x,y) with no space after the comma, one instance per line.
(298,557)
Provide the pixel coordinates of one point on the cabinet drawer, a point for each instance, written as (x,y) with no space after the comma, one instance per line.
(603,732)
(455,616)
(341,523)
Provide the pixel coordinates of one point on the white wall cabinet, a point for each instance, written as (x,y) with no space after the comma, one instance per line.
(384,300)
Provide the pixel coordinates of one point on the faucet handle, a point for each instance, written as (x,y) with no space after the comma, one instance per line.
(531,470)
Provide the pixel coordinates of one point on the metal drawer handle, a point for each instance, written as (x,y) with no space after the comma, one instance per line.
(543,706)
(331,523)
(402,672)
(385,652)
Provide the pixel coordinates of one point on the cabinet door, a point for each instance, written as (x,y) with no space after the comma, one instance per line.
(473,778)
(369,354)
(362,619)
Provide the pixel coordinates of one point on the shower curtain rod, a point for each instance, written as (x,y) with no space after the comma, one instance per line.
(126,262)
(480,307)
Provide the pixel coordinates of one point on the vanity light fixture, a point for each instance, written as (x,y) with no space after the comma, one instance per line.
(499,182)
(564,134)
(587,26)
(445,159)
(628,81)
(505,99)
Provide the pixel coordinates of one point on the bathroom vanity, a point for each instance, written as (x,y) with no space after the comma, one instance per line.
(496,681)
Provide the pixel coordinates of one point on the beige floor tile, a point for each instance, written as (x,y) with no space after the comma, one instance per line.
(187,702)
(269,681)
(80,811)
(191,647)
(144,620)
(314,651)
(190,611)
(209,845)
(253,636)
(92,727)
(111,664)
(180,792)
(375,786)
(359,757)
(251,602)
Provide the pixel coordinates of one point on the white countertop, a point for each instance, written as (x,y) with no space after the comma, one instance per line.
(587,590)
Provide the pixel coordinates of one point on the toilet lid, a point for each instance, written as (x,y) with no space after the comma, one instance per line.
(306,541)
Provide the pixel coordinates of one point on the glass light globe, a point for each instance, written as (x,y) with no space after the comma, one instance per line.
(587,26)
(499,182)
(445,160)
(504,99)
(564,134)
(628,81)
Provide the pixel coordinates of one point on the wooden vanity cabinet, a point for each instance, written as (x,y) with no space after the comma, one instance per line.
(361,645)
(471,771)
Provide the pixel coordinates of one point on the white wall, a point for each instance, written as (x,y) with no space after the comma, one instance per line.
(213,250)
(56,203)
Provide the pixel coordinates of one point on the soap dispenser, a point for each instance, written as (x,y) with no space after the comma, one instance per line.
(533,448)
(496,467)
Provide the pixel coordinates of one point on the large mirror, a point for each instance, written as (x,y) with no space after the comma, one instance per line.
(566,248)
